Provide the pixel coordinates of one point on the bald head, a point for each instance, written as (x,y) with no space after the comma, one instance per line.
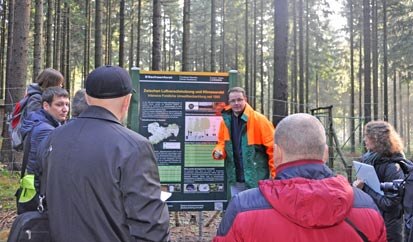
(300,136)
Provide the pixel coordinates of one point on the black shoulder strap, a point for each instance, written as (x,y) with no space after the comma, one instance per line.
(406,165)
(27,146)
(45,150)
(361,234)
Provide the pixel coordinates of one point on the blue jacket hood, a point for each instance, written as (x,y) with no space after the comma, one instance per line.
(34,118)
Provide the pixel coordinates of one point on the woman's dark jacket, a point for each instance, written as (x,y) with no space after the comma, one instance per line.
(390,204)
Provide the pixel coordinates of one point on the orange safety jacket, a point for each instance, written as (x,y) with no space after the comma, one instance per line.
(257,145)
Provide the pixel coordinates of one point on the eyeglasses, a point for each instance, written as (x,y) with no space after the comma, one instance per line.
(238,100)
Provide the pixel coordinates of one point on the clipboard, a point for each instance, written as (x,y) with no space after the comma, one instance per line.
(165,195)
(368,174)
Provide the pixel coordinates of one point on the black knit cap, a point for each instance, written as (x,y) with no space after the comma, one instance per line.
(108,82)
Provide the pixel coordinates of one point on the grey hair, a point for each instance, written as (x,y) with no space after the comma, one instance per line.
(79,103)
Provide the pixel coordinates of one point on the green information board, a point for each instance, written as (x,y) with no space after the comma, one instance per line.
(180,114)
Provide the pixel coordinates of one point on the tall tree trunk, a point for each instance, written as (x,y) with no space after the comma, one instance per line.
(68,85)
(360,78)
(367,60)
(38,39)
(57,39)
(164,42)
(132,37)
(9,55)
(186,35)
(280,88)
(98,33)
(385,64)
(262,55)
(375,61)
(352,101)
(213,35)
(236,49)
(408,115)
(317,89)
(294,73)
(174,51)
(138,35)
(17,68)
(13,94)
(301,54)
(121,32)
(170,45)
(64,42)
(16,81)
(307,54)
(204,51)
(395,98)
(3,47)
(108,33)
(156,35)
(254,58)
(247,83)
(49,34)
(86,43)
(400,106)
(223,36)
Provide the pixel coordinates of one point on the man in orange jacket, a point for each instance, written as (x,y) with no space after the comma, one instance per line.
(245,141)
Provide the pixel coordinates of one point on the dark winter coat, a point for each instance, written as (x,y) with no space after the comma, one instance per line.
(40,124)
(102,182)
(306,202)
(390,204)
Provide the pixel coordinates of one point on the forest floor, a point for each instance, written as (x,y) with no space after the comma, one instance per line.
(188,229)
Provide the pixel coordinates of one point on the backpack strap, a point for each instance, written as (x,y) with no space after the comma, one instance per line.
(43,177)
(361,234)
(27,146)
(406,165)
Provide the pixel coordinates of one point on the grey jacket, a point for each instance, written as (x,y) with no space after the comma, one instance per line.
(34,102)
(102,182)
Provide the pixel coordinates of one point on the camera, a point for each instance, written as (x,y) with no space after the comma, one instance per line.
(394,186)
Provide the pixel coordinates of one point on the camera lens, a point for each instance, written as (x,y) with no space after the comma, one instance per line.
(392,186)
(387,186)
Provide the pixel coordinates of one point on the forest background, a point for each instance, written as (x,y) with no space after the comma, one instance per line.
(291,56)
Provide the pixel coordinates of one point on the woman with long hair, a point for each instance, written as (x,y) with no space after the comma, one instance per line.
(384,148)
(47,78)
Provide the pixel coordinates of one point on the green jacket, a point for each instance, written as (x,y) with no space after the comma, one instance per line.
(257,144)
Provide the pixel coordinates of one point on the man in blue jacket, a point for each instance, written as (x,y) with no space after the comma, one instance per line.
(55,108)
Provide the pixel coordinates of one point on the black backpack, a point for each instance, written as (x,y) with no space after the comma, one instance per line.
(407,167)
(30,226)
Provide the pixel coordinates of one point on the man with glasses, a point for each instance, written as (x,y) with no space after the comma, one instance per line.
(245,141)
